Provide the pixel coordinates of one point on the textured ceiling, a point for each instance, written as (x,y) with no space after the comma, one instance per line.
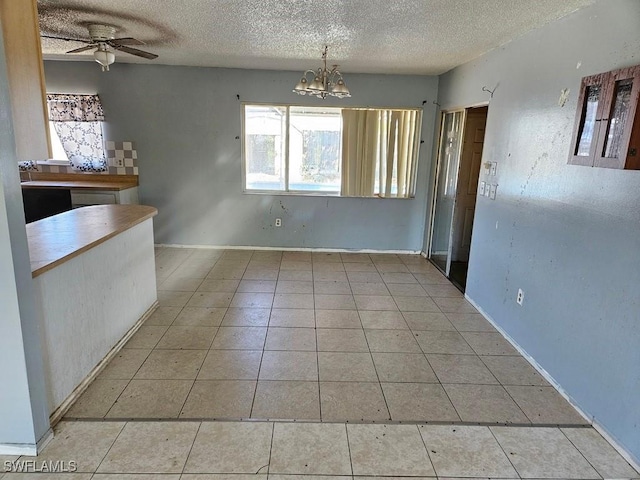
(369,36)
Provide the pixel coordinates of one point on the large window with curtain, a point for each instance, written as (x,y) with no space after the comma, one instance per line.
(75,123)
(354,152)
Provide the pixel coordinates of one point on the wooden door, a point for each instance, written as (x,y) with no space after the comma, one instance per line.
(466,192)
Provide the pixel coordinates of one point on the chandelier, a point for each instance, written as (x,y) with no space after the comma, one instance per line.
(325,82)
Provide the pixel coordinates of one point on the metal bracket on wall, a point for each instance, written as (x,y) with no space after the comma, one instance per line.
(485,89)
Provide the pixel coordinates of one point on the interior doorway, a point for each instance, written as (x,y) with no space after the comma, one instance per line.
(457,172)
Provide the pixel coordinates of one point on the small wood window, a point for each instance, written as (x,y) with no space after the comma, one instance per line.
(607,127)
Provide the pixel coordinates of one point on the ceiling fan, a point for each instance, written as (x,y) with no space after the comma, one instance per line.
(102,38)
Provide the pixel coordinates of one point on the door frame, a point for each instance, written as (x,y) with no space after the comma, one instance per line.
(434,191)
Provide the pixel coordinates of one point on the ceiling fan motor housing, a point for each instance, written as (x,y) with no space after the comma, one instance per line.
(101,33)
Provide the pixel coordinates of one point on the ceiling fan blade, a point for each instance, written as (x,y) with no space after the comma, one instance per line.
(135,51)
(82,49)
(66,39)
(125,41)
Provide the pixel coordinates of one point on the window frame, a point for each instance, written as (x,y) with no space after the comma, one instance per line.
(606,103)
(311,193)
(287,190)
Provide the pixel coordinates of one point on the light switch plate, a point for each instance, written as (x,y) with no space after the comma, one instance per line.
(492,192)
(482,185)
(494,168)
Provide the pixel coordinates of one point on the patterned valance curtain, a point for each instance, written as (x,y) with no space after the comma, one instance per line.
(76,120)
(75,108)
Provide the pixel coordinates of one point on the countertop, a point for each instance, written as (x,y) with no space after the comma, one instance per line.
(79,185)
(57,239)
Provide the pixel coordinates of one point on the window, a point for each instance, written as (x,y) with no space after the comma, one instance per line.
(75,126)
(607,131)
(330,150)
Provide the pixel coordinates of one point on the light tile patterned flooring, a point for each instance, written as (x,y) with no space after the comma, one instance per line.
(173,450)
(330,337)
(317,337)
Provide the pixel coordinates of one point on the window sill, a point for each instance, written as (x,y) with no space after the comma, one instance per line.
(318,194)
(53,162)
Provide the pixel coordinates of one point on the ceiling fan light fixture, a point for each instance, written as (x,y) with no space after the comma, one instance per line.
(104,57)
(102,38)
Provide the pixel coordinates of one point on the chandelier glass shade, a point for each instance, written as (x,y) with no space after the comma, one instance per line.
(326,82)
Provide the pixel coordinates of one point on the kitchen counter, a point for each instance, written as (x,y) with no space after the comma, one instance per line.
(46,194)
(55,240)
(94,278)
(79,185)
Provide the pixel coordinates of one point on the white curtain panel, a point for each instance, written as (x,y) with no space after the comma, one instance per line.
(382,144)
(83,144)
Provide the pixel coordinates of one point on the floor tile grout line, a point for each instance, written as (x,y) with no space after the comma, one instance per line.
(315,323)
(517,404)
(504,451)
(447,394)
(125,423)
(264,344)
(582,454)
(346,431)
(186,460)
(498,380)
(194,381)
(273,429)
(433,466)
(332,422)
(186,398)
(125,387)
(375,369)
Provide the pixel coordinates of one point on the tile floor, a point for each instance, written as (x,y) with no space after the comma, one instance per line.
(317,337)
(173,450)
(323,338)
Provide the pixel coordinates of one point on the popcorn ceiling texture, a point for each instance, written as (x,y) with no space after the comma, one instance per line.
(423,37)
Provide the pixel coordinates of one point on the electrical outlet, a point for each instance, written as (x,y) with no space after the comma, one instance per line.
(278,222)
(119,162)
(482,186)
(492,192)
(493,169)
(520,297)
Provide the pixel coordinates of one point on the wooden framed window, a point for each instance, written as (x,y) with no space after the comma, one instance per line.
(607,126)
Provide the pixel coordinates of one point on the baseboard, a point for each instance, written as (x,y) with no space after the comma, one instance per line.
(46,438)
(26,449)
(59,412)
(546,375)
(634,462)
(18,449)
(289,249)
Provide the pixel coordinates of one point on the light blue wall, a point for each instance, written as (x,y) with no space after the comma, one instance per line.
(185,121)
(569,236)
(24,416)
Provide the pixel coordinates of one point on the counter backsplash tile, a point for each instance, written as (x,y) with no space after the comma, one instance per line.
(122,159)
